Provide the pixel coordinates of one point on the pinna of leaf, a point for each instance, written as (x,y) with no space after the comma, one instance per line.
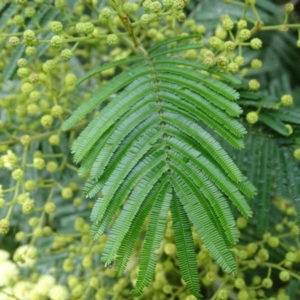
(150,150)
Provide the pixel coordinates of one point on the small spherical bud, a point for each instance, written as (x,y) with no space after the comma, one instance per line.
(32,109)
(38,163)
(209,61)
(54,140)
(51,166)
(35,96)
(13,40)
(29,36)
(105,13)
(128,8)
(25,140)
(239,283)
(233,67)
(178,4)
(70,79)
(2,203)
(286,100)
(38,232)
(30,50)
(22,63)
(222,294)
(250,2)
(20,236)
(252,117)
(112,40)
(28,206)
(241,24)
(145,19)
(227,23)
(241,222)
(55,26)
(80,27)
(170,249)
(267,283)
(34,221)
(215,42)
(239,60)
(56,41)
(57,111)
(27,88)
(18,20)
(289,7)
(155,7)
(30,185)
(23,72)
(48,66)
(30,12)
(46,121)
(18,174)
(67,193)
(253,85)
(167,3)
(4,226)
(290,256)
(180,17)
(244,34)
(256,43)
(229,46)
(50,207)
(256,63)
(66,54)
(88,28)
(297,153)
(284,276)
(263,254)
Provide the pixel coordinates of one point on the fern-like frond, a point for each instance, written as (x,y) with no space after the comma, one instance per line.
(149,144)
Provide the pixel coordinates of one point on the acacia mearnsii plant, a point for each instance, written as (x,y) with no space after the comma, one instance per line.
(149,150)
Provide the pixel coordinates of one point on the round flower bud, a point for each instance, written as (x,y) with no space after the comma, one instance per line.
(56,41)
(170,249)
(227,23)
(286,100)
(256,43)
(13,40)
(59,292)
(244,34)
(50,207)
(66,54)
(222,294)
(67,193)
(34,221)
(88,28)
(30,50)
(51,166)
(55,26)
(105,13)
(46,121)
(20,236)
(25,140)
(229,46)
(70,79)
(209,61)
(215,42)
(27,88)
(128,8)
(35,96)
(80,27)
(297,153)
(38,163)
(239,283)
(239,60)
(18,174)
(112,39)
(54,140)
(28,206)
(252,117)
(4,226)
(23,72)
(30,12)
(253,85)
(47,231)
(178,4)
(32,109)
(145,19)
(18,20)
(30,185)
(241,24)
(263,254)
(38,232)
(289,7)
(22,63)
(2,203)
(180,17)
(284,276)
(267,283)
(250,2)
(48,66)
(56,111)
(241,222)
(290,256)
(233,67)
(256,63)
(29,37)
(155,7)
(167,3)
